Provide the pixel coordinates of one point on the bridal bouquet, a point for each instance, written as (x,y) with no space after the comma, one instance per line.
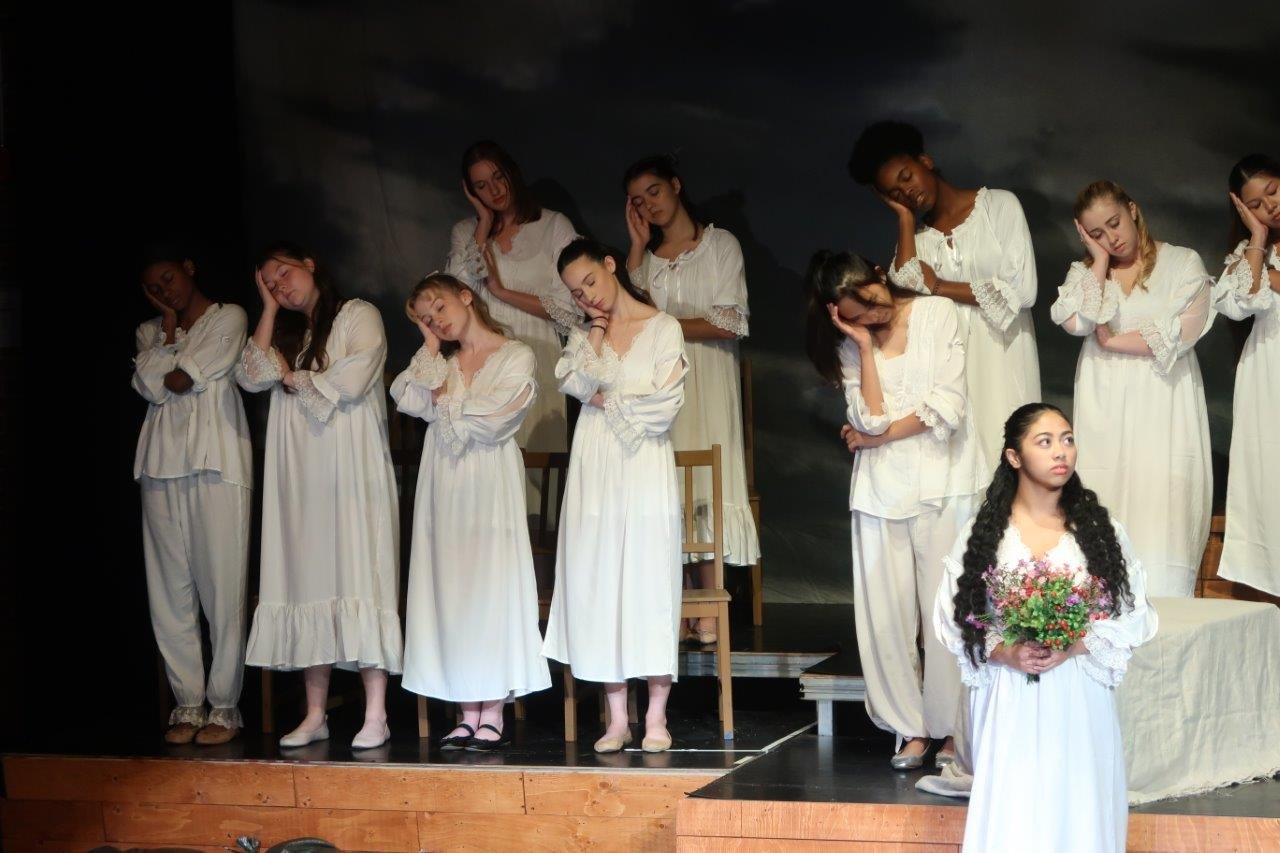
(1035,602)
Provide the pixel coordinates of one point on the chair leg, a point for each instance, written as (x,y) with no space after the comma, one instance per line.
(424,725)
(570,707)
(633,705)
(757,594)
(517,709)
(268,704)
(603,703)
(724,669)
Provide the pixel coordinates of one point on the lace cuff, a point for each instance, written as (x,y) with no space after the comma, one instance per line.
(427,369)
(1106,663)
(630,434)
(450,413)
(979,675)
(258,366)
(320,407)
(228,718)
(602,368)
(1164,353)
(995,301)
(728,317)
(190,714)
(931,419)
(561,316)
(474,270)
(910,275)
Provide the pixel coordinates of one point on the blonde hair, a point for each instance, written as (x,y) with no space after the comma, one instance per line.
(1099,190)
(444,281)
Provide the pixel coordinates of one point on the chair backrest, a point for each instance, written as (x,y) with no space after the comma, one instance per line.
(689,461)
(547,462)
(748,422)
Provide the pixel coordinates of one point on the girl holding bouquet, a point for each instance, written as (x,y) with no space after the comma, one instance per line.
(1048,761)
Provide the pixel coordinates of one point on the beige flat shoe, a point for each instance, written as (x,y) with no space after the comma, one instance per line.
(213,734)
(613,744)
(181,733)
(660,743)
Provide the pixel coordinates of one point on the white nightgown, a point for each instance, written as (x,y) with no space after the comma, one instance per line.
(472,610)
(1251,548)
(991,252)
(616,605)
(709,282)
(1048,758)
(1141,423)
(328,585)
(530,267)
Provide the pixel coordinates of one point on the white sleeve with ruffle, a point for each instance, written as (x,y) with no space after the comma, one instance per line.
(946,630)
(649,412)
(154,361)
(941,409)
(1111,641)
(857,413)
(351,378)
(580,372)
(257,370)
(1231,294)
(1186,318)
(1083,302)
(1012,289)
(909,276)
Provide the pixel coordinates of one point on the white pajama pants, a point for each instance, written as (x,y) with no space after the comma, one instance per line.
(897,568)
(195,534)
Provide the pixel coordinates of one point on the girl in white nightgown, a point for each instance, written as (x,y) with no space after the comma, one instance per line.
(328,589)
(1048,759)
(617,597)
(695,273)
(194,468)
(472,611)
(513,235)
(970,246)
(900,359)
(1140,409)
(1247,288)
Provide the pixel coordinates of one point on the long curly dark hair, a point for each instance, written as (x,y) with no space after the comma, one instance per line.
(1087,521)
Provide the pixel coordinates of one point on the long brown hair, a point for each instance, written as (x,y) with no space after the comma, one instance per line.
(444,281)
(1147,249)
(290,336)
(527,207)
(831,277)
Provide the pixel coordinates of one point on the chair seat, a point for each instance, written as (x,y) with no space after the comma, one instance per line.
(706,596)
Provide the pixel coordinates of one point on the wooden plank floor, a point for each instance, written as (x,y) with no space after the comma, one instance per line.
(75,804)
(728,826)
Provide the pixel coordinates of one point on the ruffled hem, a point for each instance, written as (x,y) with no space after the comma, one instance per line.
(320,407)
(561,316)
(909,276)
(228,718)
(729,318)
(1164,354)
(1105,663)
(428,369)
(631,435)
(995,299)
(1202,786)
(348,632)
(741,539)
(192,715)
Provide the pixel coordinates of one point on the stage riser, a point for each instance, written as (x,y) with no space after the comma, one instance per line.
(75,804)
(704,825)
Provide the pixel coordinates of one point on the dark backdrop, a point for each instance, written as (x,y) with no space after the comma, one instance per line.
(340,125)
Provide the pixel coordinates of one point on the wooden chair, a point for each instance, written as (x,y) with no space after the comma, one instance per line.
(753,496)
(696,603)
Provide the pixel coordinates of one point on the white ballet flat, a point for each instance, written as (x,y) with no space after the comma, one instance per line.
(378,738)
(299,737)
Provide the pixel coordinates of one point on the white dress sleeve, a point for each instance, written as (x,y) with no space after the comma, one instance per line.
(466,261)
(350,378)
(555,299)
(1083,302)
(1186,317)
(580,372)
(941,408)
(214,352)
(1111,641)
(944,623)
(155,360)
(909,276)
(412,389)
(728,309)
(257,370)
(857,413)
(1231,294)
(495,416)
(1012,289)
(635,415)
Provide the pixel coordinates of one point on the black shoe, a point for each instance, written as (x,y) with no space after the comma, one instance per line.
(458,741)
(480,745)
